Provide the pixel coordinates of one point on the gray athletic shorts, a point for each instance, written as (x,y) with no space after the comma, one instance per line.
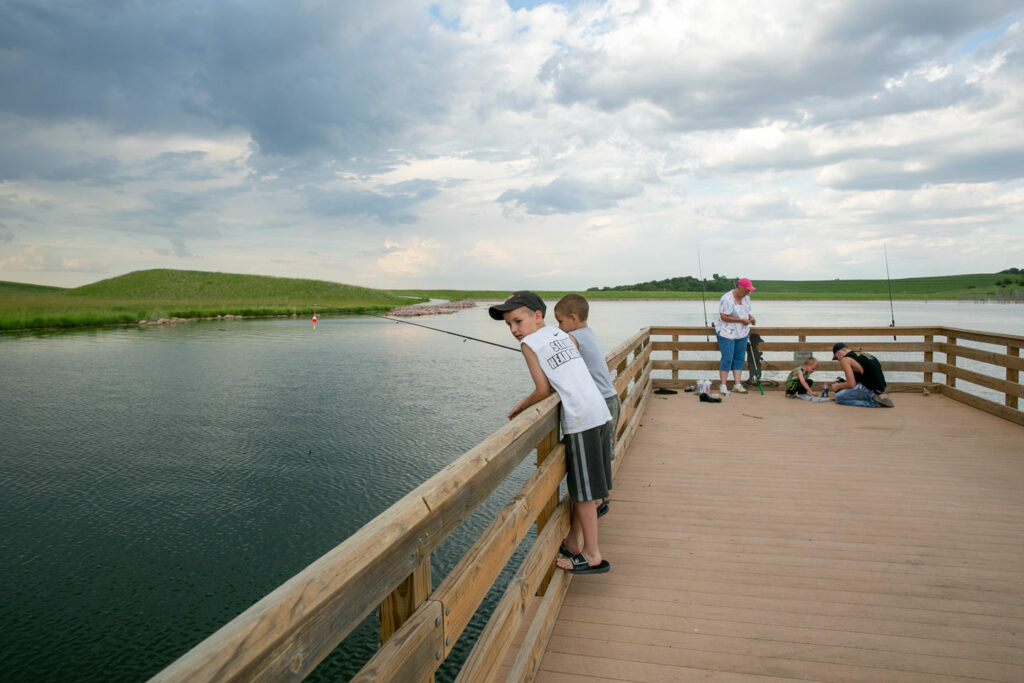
(588,462)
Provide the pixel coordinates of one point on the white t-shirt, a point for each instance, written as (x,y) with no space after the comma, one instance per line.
(583,407)
(727,305)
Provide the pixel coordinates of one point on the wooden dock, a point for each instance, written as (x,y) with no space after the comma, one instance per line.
(770,539)
(757,539)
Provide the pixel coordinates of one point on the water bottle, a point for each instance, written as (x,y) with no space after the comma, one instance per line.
(824,391)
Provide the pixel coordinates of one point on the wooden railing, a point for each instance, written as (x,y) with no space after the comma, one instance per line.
(995,369)
(386,566)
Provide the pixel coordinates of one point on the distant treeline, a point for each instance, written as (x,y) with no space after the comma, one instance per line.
(1010,282)
(687,283)
(951,285)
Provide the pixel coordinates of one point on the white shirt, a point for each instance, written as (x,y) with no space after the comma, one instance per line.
(583,407)
(727,305)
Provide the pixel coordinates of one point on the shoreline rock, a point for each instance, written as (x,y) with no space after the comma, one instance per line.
(431,309)
(177,321)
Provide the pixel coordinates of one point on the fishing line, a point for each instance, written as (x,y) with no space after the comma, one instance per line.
(892,314)
(700,272)
(454,334)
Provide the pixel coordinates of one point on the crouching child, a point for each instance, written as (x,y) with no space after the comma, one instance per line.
(555,364)
(799,383)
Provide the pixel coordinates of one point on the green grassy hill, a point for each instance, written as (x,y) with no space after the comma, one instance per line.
(154,294)
(21,288)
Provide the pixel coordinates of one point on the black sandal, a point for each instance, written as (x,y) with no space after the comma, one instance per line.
(581,565)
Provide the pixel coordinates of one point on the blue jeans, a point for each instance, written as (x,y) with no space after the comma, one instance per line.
(859,395)
(733,351)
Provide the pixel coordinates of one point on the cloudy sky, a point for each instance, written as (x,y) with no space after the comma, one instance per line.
(504,145)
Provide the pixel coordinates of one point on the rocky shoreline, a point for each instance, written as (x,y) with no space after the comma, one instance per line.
(177,321)
(411,311)
(431,309)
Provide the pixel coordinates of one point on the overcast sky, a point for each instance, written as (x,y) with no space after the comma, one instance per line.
(508,145)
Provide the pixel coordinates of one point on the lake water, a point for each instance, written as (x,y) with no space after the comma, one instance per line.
(157,481)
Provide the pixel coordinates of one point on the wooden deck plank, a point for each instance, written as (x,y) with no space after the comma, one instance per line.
(941,642)
(776,539)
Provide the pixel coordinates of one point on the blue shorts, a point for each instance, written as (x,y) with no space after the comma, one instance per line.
(733,353)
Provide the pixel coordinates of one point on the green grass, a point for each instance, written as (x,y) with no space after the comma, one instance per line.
(547,295)
(941,287)
(154,294)
(976,286)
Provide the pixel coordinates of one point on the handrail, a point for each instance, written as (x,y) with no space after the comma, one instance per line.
(386,563)
(685,343)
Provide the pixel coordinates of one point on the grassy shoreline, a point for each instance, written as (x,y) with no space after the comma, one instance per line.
(154,294)
(554,295)
(973,287)
(164,294)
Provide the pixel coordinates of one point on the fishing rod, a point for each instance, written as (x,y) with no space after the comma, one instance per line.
(757,373)
(892,314)
(455,334)
(703,303)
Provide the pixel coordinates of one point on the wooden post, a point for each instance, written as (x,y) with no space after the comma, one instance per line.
(675,355)
(928,358)
(544,448)
(1012,375)
(636,352)
(950,360)
(404,600)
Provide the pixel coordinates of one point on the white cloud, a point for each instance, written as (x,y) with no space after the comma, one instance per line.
(404,145)
(410,258)
(36,259)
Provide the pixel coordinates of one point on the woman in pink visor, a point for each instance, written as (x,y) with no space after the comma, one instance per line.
(732,329)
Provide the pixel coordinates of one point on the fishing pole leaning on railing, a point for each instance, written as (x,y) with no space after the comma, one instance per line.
(454,334)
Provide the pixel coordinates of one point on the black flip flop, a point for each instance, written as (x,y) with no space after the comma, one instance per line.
(709,399)
(581,565)
(602,509)
(665,392)
(564,552)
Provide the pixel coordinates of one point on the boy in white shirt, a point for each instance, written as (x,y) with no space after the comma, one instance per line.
(555,364)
